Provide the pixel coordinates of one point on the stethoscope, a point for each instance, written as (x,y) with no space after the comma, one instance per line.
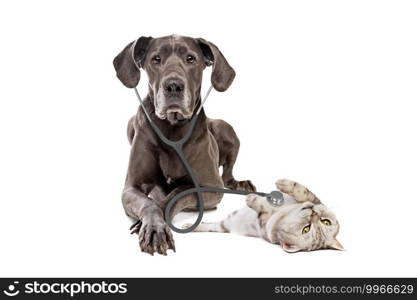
(275,198)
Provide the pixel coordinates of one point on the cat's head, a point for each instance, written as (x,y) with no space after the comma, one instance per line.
(303,227)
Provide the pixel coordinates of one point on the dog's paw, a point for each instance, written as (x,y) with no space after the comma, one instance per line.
(244,185)
(154,237)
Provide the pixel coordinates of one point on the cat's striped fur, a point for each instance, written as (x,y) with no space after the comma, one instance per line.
(302,223)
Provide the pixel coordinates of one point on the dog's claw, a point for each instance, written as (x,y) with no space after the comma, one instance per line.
(137,224)
(135,228)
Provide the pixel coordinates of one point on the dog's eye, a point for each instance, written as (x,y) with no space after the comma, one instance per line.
(190,59)
(156,59)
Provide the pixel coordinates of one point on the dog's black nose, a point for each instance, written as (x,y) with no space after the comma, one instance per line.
(173,87)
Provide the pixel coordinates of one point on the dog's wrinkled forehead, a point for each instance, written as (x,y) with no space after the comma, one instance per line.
(173,46)
(173,42)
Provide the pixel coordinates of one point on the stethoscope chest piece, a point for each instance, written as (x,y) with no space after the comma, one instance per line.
(275,198)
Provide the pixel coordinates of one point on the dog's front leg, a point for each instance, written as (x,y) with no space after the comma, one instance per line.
(154,234)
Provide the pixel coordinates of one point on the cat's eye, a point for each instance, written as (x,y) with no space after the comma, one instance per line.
(326,222)
(306,229)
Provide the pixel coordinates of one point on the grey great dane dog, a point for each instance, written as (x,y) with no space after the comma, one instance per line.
(174,65)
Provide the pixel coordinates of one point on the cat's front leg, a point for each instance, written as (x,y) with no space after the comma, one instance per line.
(261,206)
(298,191)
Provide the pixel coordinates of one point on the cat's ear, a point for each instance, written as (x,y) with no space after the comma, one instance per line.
(290,248)
(336,245)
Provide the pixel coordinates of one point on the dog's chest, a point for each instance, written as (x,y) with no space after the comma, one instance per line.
(203,161)
(171,166)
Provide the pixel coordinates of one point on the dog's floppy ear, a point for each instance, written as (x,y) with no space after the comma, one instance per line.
(124,63)
(222,74)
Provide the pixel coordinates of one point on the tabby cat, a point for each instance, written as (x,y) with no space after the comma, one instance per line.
(301,223)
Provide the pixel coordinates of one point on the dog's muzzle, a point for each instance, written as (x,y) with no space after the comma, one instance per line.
(175,102)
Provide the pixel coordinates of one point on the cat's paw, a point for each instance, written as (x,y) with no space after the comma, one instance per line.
(285,185)
(251,199)
(258,203)
(186,225)
(296,190)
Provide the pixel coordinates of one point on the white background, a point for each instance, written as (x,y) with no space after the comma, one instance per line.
(325,94)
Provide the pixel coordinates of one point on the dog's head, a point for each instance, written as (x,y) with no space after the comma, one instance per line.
(174,65)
